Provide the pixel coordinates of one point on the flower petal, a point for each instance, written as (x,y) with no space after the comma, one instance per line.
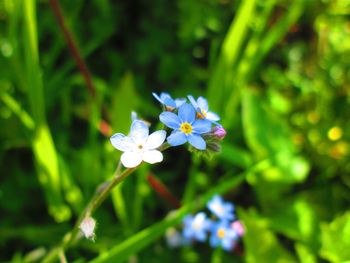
(214,241)
(193,101)
(179,102)
(167,100)
(202,103)
(201,126)
(131,159)
(157,97)
(122,143)
(155,140)
(152,156)
(212,116)
(177,138)
(227,244)
(170,119)
(187,113)
(139,132)
(197,141)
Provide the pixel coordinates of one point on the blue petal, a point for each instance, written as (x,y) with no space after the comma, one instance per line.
(164,96)
(202,103)
(157,97)
(187,113)
(177,138)
(197,141)
(179,102)
(165,99)
(169,102)
(214,240)
(200,236)
(227,244)
(201,126)
(170,119)
(193,101)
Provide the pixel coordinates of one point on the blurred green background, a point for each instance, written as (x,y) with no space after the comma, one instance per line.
(277,72)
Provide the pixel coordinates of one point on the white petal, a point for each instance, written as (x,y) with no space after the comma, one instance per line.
(122,142)
(212,116)
(131,159)
(155,140)
(139,132)
(152,156)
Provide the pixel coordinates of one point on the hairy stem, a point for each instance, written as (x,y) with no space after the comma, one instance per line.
(101,194)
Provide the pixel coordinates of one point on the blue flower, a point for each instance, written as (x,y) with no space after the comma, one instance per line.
(168,101)
(202,108)
(196,227)
(223,210)
(221,234)
(186,127)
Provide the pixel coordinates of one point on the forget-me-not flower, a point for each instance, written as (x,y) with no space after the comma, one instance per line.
(202,108)
(139,146)
(223,235)
(168,101)
(196,227)
(186,127)
(223,210)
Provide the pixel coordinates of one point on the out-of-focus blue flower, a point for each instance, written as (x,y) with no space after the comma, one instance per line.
(202,108)
(186,127)
(139,146)
(173,238)
(168,101)
(221,234)
(196,227)
(223,210)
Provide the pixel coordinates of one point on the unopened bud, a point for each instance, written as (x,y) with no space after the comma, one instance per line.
(219,132)
(238,227)
(88,227)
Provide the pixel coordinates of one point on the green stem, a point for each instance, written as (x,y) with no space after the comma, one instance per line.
(101,194)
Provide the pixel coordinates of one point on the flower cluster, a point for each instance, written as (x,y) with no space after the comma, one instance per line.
(190,122)
(222,229)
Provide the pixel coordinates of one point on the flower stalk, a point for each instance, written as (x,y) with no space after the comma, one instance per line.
(101,194)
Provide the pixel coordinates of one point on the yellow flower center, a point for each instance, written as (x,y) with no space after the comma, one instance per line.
(140,147)
(220,233)
(201,115)
(186,128)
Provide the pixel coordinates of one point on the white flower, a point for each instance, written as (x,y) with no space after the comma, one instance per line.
(139,145)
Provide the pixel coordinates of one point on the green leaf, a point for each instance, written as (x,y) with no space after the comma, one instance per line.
(336,239)
(296,219)
(221,81)
(260,242)
(121,120)
(268,136)
(42,144)
(305,254)
(48,173)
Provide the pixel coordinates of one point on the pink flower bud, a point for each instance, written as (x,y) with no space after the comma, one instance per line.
(237,225)
(219,132)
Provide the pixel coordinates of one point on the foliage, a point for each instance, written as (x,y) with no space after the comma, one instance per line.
(276,71)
